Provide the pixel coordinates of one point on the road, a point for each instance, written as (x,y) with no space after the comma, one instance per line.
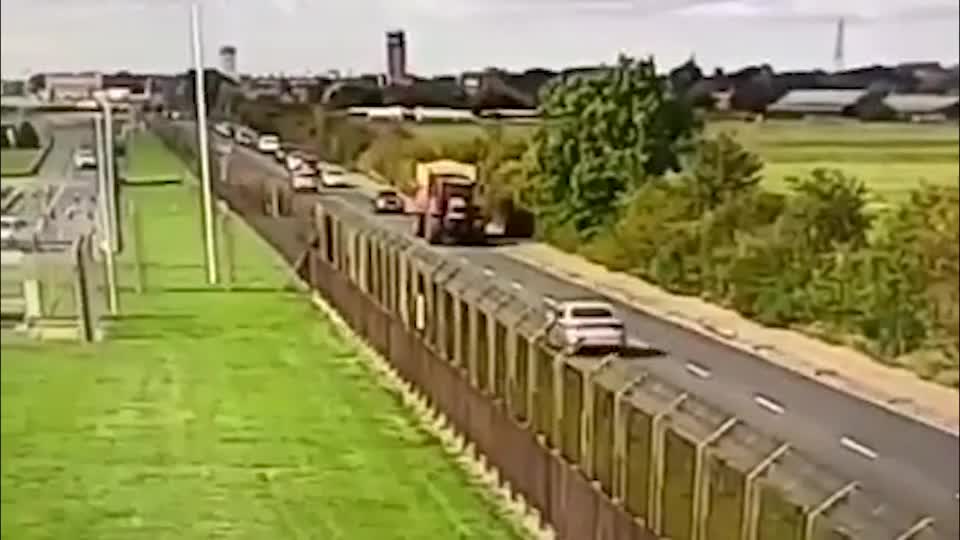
(910,464)
(60,199)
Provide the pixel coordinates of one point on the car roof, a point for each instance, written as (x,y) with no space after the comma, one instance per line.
(595,304)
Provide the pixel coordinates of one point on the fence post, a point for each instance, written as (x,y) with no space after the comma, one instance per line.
(110,269)
(701,479)
(274,201)
(586,443)
(81,292)
(620,428)
(229,247)
(751,501)
(32,300)
(810,525)
(657,451)
(139,265)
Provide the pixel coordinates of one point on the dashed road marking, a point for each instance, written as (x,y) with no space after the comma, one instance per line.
(768,404)
(488,272)
(516,285)
(698,370)
(858,447)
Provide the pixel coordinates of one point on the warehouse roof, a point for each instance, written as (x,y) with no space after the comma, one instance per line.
(817,100)
(920,103)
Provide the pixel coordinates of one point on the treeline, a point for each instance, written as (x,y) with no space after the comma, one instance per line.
(626,176)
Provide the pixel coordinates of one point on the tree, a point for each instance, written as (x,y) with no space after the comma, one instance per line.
(722,169)
(27,136)
(827,209)
(603,135)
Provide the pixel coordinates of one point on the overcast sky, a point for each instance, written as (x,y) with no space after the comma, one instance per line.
(447,36)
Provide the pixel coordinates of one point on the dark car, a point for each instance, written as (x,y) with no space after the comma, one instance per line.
(388,201)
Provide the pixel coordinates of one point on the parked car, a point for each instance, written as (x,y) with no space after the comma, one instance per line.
(294,159)
(84,158)
(224,129)
(268,143)
(304,177)
(245,136)
(585,326)
(388,201)
(333,177)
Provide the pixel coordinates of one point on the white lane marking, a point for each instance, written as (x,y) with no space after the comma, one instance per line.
(858,447)
(488,272)
(517,285)
(768,404)
(698,370)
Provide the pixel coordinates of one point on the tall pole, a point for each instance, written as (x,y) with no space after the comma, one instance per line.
(107,222)
(206,191)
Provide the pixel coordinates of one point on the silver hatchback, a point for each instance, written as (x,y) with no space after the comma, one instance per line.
(586,326)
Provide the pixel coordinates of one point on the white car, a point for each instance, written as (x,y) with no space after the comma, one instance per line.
(304,178)
(84,158)
(580,326)
(268,144)
(333,178)
(244,136)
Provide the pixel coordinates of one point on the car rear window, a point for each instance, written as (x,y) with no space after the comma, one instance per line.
(590,313)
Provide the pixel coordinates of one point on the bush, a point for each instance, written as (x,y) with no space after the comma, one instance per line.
(27,136)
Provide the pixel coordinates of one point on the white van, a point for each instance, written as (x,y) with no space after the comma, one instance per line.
(268,143)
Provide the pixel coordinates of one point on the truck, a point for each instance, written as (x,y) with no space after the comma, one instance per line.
(445,205)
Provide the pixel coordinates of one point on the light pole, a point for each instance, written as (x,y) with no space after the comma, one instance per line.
(106,167)
(204,151)
(107,221)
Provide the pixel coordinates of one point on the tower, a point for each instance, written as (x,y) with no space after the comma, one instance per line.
(838,64)
(396,57)
(228,59)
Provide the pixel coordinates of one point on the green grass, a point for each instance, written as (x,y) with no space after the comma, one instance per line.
(891,158)
(18,161)
(149,161)
(217,414)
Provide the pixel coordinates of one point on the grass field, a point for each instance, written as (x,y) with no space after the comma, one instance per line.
(211,414)
(890,158)
(149,161)
(17,161)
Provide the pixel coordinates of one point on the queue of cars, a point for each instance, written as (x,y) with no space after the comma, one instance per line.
(579,326)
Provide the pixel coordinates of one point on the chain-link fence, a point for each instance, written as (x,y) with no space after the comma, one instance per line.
(56,292)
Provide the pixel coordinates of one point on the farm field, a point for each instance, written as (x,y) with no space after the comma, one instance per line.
(213,414)
(890,158)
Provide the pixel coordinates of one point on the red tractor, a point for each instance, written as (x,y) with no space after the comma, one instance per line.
(445,205)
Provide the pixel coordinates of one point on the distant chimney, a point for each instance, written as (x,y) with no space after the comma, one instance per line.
(396,57)
(228,59)
(838,63)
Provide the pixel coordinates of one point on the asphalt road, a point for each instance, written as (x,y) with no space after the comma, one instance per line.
(62,201)
(910,464)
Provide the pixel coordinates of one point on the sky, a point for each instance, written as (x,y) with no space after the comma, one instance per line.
(450,36)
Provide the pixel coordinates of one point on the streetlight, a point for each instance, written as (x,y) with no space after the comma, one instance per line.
(206,191)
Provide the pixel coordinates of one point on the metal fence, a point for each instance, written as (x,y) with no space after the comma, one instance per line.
(57,293)
(601,448)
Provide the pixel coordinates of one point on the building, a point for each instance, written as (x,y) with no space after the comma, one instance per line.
(228,59)
(801,103)
(396,57)
(923,107)
(71,86)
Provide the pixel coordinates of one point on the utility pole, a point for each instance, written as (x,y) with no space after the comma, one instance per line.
(204,150)
(107,222)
